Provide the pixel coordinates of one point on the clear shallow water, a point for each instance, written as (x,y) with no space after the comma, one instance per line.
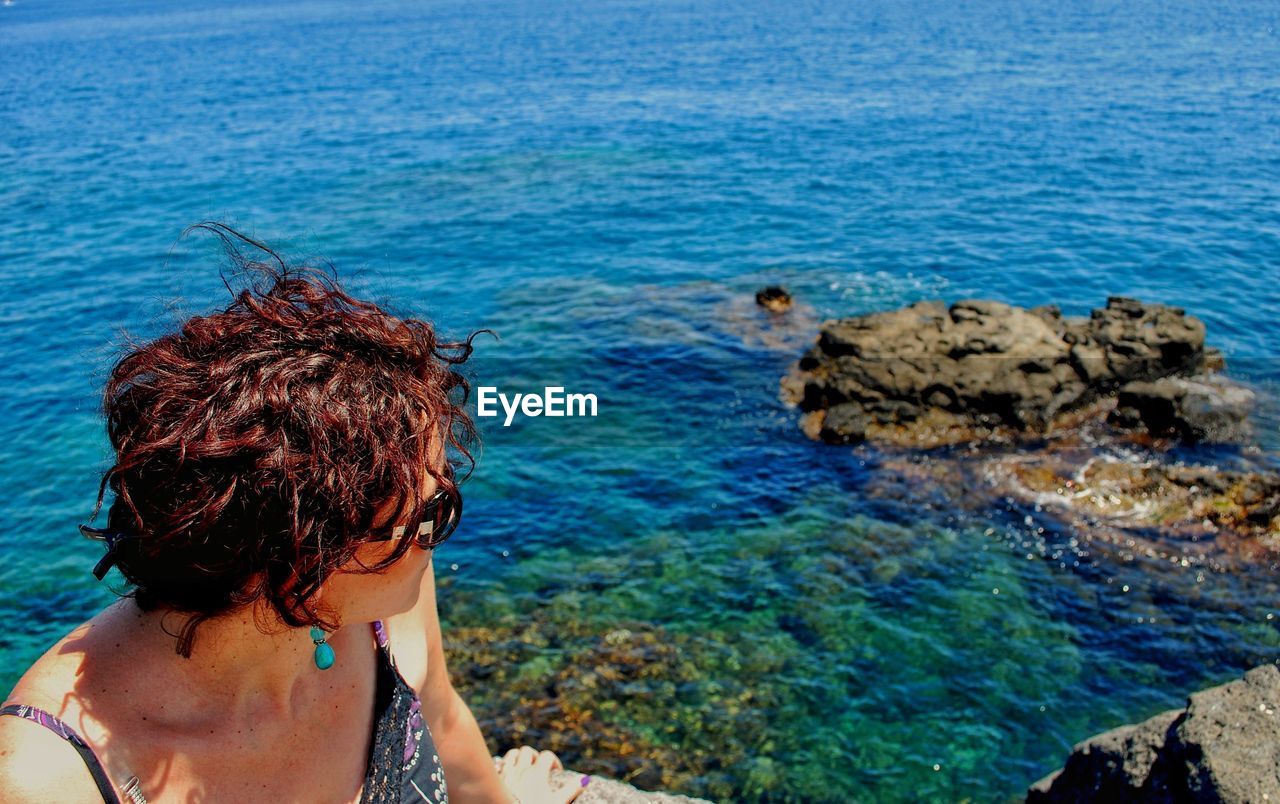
(605,186)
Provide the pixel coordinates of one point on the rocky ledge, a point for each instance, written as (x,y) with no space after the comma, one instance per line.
(610,791)
(1224,746)
(602,790)
(930,375)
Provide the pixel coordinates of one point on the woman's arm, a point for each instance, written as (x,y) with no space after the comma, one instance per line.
(468,766)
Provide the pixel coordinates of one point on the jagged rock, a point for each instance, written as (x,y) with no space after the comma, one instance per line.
(1114,766)
(1224,747)
(845,424)
(1202,409)
(930,374)
(1145,341)
(1214,360)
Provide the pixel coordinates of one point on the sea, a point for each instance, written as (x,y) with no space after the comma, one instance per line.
(604,184)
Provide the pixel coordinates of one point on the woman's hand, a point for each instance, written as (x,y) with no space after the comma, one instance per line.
(526,774)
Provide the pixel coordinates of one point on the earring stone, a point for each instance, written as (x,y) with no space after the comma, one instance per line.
(324,651)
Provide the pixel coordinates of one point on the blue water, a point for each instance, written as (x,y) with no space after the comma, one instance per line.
(606,184)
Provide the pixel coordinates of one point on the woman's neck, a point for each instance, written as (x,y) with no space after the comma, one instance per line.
(244,664)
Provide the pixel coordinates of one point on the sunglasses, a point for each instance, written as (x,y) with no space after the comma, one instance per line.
(434,522)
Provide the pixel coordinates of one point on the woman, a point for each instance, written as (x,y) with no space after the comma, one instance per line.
(282,474)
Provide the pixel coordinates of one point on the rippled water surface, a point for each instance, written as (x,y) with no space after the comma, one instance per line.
(606,184)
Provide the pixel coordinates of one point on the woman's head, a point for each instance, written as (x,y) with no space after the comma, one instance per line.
(258,447)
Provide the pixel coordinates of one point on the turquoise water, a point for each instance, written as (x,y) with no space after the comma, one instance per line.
(606,184)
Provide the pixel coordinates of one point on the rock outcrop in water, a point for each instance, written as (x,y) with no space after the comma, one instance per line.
(1057,415)
(1224,747)
(774,298)
(929,375)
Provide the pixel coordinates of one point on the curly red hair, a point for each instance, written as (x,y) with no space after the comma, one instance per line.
(254,445)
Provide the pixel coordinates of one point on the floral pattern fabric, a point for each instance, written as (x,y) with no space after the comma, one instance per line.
(420,780)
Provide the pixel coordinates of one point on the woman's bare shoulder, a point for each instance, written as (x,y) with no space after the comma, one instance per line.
(49,683)
(36,763)
(56,681)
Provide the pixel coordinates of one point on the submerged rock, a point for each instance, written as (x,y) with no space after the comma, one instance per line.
(1224,746)
(929,374)
(563,685)
(1114,504)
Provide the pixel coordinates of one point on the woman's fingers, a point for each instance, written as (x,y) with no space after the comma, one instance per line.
(528,773)
(527,757)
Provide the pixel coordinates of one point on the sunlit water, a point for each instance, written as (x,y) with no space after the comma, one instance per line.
(605,185)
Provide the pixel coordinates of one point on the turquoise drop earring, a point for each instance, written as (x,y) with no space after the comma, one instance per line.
(324,651)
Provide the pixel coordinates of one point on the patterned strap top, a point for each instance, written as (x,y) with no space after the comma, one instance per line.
(403,766)
(403,762)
